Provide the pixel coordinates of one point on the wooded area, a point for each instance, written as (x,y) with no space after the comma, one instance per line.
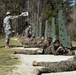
(39,10)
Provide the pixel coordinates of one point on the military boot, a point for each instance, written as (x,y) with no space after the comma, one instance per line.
(34,63)
(75,57)
(71,52)
(39,51)
(38,71)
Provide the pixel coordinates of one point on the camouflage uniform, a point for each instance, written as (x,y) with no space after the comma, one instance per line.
(49,67)
(7,24)
(22,39)
(51,50)
(32,43)
(39,40)
(45,44)
(48,50)
(28,52)
(27,31)
(28,42)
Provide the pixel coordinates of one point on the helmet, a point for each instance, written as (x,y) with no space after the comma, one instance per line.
(8,13)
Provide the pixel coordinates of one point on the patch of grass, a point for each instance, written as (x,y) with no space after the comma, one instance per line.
(13,42)
(7,58)
(74,43)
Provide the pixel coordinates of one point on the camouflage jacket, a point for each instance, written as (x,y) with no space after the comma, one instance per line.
(7,23)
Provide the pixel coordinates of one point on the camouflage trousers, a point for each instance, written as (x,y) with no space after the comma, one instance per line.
(28,52)
(62,66)
(40,51)
(31,46)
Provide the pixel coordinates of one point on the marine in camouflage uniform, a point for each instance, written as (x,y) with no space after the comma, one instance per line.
(31,42)
(51,50)
(55,49)
(22,39)
(7,24)
(62,66)
(27,30)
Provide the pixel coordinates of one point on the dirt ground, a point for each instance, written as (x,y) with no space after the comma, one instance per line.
(25,66)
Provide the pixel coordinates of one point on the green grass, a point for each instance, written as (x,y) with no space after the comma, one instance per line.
(13,42)
(74,43)
(7,58)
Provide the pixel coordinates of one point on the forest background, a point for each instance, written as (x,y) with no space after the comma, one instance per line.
(39,10)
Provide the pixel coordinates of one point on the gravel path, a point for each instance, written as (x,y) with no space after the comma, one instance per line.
(26,68)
